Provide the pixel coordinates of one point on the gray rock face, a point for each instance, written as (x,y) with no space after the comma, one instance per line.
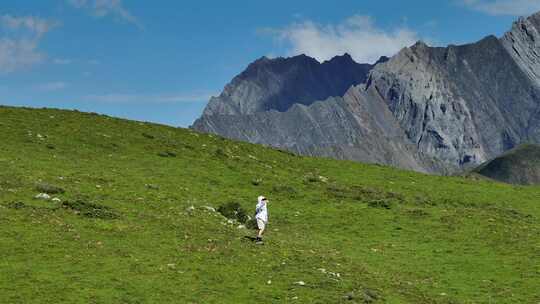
(460,104)
(357,126)
(436,110)
(277,84)
(523,44)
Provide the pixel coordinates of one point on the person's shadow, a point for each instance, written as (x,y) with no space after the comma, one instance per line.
(251,238)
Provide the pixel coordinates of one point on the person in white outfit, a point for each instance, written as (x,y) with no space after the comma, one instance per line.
(261,215)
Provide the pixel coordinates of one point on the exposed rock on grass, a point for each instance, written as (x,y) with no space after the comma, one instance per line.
(43,196)
(369,296)
(210,208)
(152,187)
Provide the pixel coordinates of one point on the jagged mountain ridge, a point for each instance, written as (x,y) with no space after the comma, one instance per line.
(429,109)
(277,84)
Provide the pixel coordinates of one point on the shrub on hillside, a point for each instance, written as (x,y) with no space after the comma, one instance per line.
(49,189)
(382,203)
(16,205)
(233,211)
(311,178)
(221,153)
(167,154)
(90,210)
(149,136)
(285,189)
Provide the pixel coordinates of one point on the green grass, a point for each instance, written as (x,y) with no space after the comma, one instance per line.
(125,232)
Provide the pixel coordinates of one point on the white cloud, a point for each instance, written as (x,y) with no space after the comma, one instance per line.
(357,35)
(128,98)
(19,41)
(104,8)
(504,7)
(52,86)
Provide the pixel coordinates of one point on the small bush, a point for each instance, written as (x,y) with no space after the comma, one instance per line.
(370,296)
(285,189)
(423,201)
(49,189)
(16,205)
(149,136)
(221,153)
(338,192)
(90,210)
(233,211)
(167,154)
(256,181)
(417,213)
(384,204)
(287,152)
(311,178)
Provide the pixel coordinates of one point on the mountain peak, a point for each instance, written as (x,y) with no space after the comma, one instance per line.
(420,44)
(299,79)
(344,59)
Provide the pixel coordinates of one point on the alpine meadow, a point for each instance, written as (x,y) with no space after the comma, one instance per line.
(251,152)
(131,217)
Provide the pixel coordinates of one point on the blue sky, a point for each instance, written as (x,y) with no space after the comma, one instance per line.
(160,61)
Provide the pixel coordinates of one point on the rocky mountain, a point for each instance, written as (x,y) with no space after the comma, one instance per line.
(430,109)
(277,84)
(520,166)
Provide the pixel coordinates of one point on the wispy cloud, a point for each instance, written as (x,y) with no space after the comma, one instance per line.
(19,41)
(52,86)
(357,35)
(128,98)
(504,7)
(105,8)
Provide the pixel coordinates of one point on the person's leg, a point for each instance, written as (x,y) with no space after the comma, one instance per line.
(260,225)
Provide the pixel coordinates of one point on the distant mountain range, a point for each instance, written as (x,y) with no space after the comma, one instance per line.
(430,109)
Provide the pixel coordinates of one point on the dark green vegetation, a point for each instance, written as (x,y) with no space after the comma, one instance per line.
(519,166)
(136,224)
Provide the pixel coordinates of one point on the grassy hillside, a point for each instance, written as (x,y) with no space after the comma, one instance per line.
(132,225)
(518,166)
